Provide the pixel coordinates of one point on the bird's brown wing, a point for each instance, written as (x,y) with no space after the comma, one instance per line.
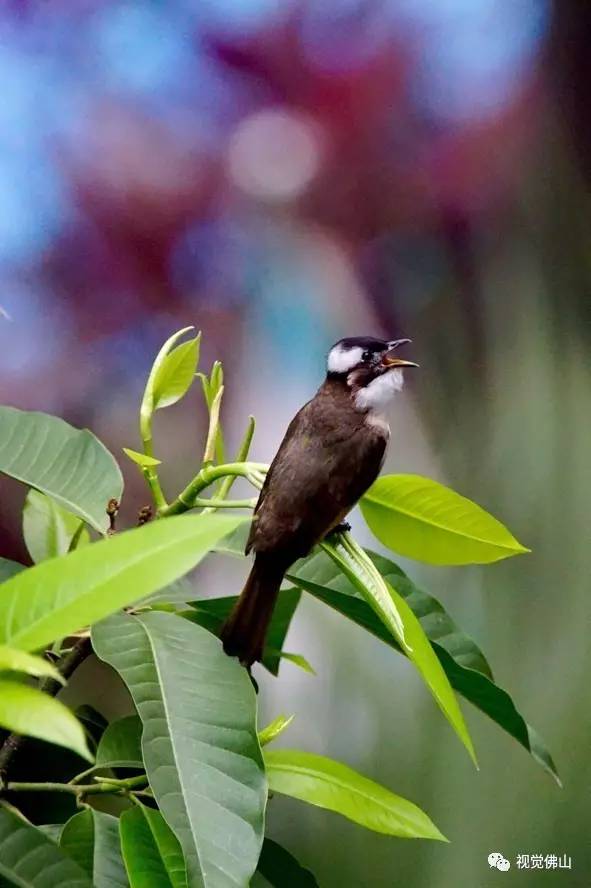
(327,460)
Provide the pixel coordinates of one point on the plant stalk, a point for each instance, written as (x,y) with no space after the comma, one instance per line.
(204,478)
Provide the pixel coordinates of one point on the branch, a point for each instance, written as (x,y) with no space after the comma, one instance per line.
(208,475)
(101,787)
(241,456)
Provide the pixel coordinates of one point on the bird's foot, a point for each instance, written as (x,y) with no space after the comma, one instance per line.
(343,527)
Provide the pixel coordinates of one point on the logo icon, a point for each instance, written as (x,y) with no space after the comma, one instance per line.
(497,861)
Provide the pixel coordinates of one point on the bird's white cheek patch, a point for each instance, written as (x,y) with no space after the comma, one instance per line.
(377,395)
(341,360)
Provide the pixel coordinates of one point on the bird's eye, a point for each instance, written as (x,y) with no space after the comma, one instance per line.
(366,356)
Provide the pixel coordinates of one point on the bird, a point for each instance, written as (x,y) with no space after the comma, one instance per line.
(331,454)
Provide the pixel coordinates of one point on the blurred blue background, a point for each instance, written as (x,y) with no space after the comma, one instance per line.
(281,174)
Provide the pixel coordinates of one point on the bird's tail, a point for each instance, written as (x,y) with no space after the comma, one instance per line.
(244,632)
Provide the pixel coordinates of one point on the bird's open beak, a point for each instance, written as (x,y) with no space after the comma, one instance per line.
(390,359)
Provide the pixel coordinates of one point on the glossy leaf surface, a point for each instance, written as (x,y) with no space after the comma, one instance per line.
(48,528)
(91,839)
(199,741)
(328,784)
(152,854)
(59,596)
(30,859)
(422,519)
(25,710)
(70,465)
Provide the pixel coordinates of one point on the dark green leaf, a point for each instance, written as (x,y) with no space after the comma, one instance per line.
(211,613)
(462,660)
(282,870)
(70,465)
(435,621)
(152,854)
(53,831)
(9,568)
(59,596)
(396,615)
(328,784)
(91,839)
(199,741)
(30,859)
(120,745)
(94,722)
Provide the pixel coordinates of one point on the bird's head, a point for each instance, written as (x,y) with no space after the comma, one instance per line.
(370,367)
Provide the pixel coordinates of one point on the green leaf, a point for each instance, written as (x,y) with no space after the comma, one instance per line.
(120,746)
(30,859)
(281,869)
(153,857)
(199,742)
(91,839)
(53,831)
(25,710)
(48,528)
(93,721)
(14,660)
(141,459)
(181,591)
(298,660)
(211,613)
(399,619)
(174,371)
(9,568)
(464,663)
(421,519)
(274,729)
(328,784)
(70,465)
(59,596)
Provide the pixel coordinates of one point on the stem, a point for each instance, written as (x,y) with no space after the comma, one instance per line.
(215,503)
(66,666)
(147,412)
(149,472)
(204,478)
(101,787)
(241,456)
(352,559)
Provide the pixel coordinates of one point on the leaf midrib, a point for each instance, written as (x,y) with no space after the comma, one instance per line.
(13,877)
(94,590)
(172,744)
(395,508)
(333,781)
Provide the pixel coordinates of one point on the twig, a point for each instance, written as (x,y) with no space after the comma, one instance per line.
(209,475)
(101,787)
(215,503)
(241,456)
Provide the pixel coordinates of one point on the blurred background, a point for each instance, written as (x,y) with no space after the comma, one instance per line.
(281,174)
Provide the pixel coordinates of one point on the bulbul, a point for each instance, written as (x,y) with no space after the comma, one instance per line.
(332,452)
